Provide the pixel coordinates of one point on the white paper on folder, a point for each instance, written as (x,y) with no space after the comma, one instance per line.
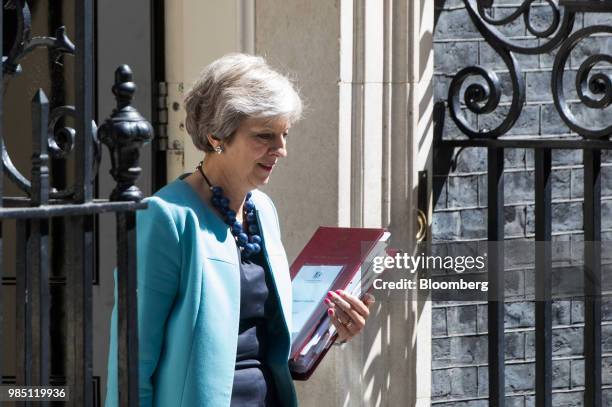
(310,286)
(321,331)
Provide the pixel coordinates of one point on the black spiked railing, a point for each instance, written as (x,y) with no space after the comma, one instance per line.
(74,206)
(495,226)
(2,312)
(124,132)
(543,214)
(482,96)
(592,278)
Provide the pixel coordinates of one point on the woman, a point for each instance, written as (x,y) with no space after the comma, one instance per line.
(214,292)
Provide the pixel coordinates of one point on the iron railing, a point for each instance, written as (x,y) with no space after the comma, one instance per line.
(74,207)
(594,89)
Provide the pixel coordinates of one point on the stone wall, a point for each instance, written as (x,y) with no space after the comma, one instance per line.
(459,340)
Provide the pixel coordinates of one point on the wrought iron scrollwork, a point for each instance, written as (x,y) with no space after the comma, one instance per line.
(481,98)
(484,97)
(557,30)
(594,88)
(24,43)
(59,143)
(525,11)
(10,66)
(61,140)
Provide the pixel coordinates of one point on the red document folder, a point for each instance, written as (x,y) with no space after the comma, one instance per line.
(350,248)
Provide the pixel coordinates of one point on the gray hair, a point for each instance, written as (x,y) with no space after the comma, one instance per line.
(233,88)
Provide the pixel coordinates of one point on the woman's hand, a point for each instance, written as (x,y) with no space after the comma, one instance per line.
(347,312)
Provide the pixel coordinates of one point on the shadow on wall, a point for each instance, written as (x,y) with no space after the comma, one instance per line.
(401,339)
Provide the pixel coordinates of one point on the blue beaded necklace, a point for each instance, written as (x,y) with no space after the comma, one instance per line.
(249,242)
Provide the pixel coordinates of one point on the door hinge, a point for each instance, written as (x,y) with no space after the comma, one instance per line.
(161,123)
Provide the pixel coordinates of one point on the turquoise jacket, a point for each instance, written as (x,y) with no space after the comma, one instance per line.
(189,303)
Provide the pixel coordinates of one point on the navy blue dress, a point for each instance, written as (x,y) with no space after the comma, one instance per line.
(253,382)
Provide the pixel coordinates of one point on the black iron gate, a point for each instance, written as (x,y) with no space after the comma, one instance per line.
(56,211)
(594,90)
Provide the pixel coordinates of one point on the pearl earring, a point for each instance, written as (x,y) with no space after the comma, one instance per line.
(218,149)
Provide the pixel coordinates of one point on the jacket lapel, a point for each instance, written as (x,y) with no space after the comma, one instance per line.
(275,255)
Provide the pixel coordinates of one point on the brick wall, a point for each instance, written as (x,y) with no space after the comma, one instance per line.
(459,360)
